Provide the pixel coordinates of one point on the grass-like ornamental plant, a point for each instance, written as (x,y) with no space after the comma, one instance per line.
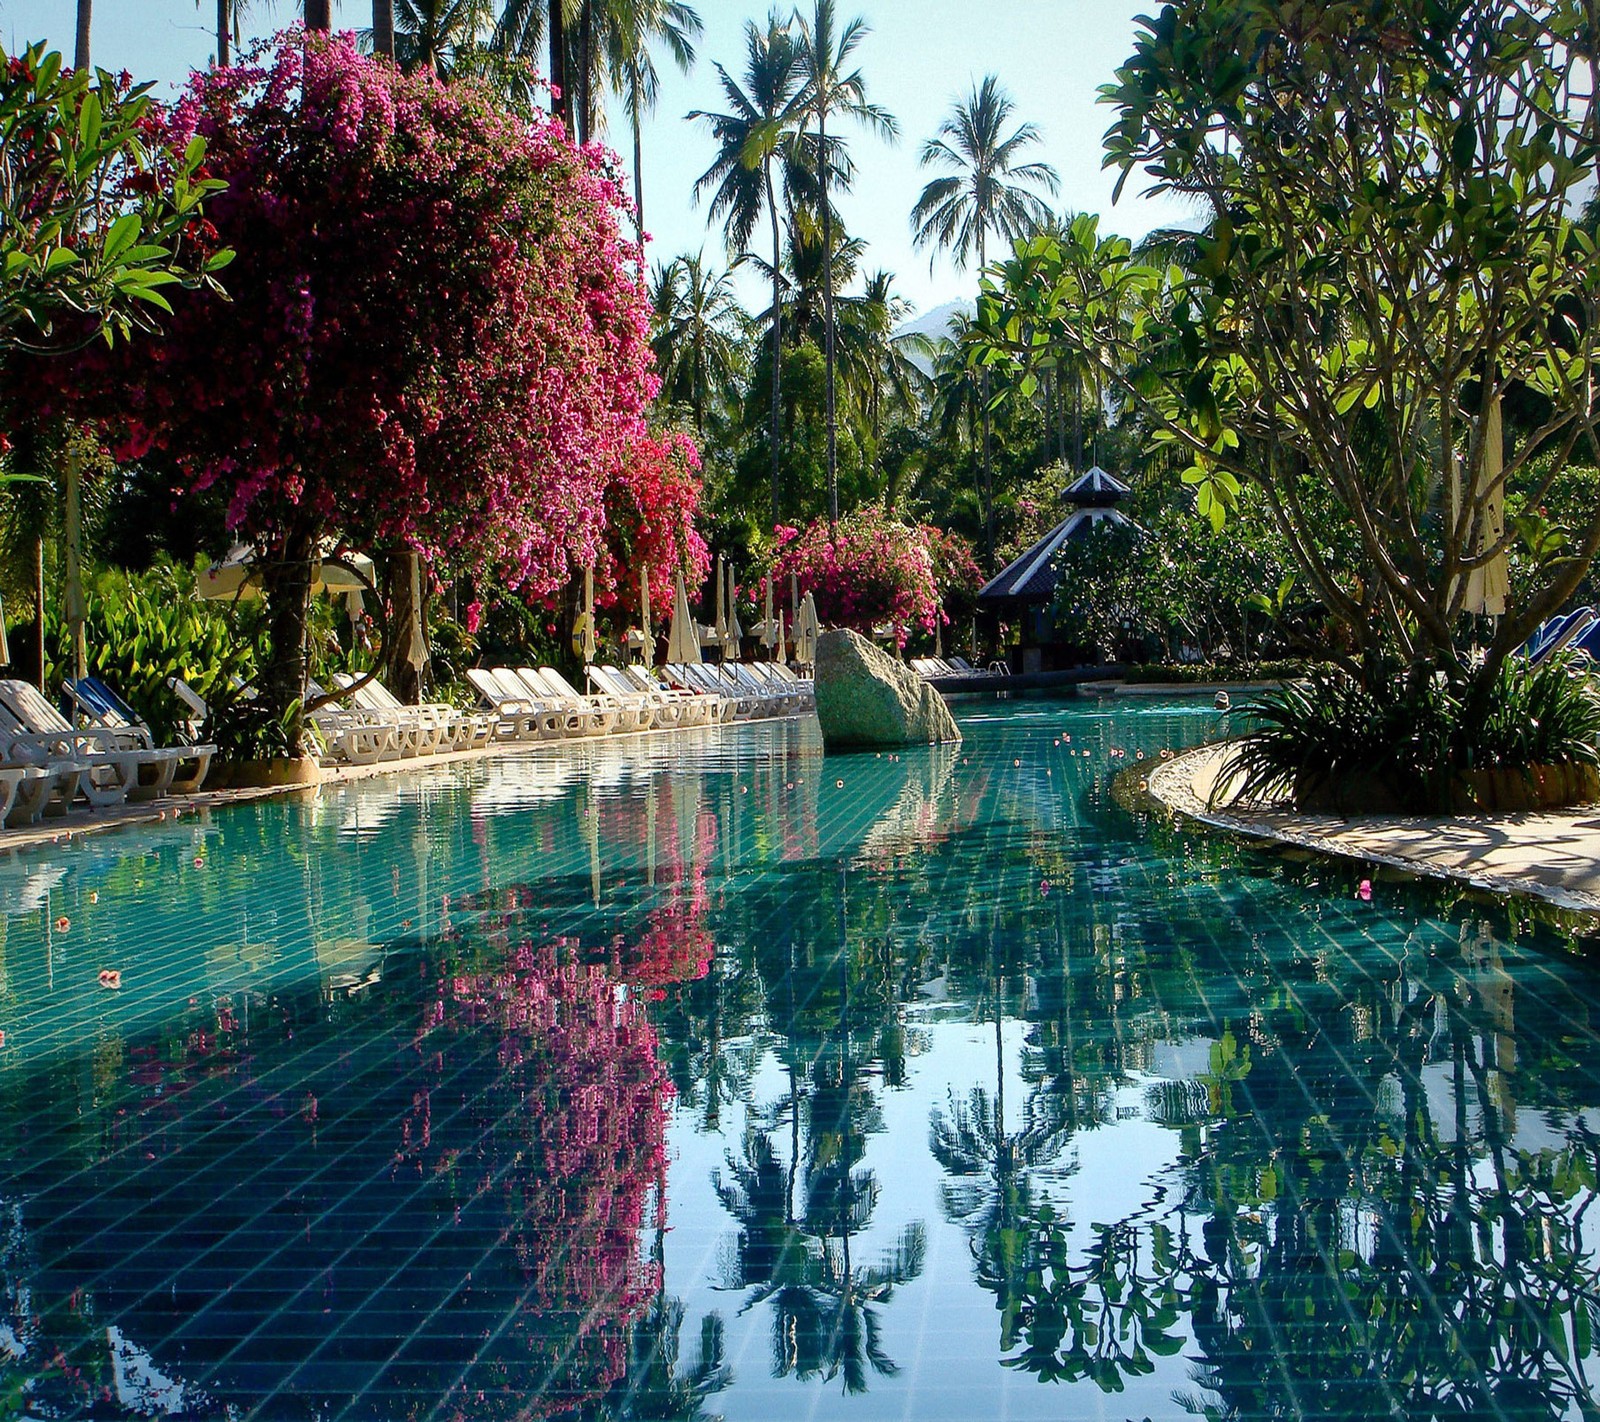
(1420,741)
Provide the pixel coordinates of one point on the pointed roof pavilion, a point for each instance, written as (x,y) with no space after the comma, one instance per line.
(1031,577)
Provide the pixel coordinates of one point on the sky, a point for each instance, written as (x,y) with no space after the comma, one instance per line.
(1052,55)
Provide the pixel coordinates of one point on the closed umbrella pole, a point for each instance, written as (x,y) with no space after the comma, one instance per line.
(769,629)
(588,617)
(735,631)
(722,607)
(76,605)
(644,616)
(5,647)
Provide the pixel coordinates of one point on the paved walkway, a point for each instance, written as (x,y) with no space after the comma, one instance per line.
(1553,854)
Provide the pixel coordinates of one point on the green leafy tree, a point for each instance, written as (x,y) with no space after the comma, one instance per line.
(984,190)
(1393,261)
(699,334)
(757,134)
(93,214)
(833,90)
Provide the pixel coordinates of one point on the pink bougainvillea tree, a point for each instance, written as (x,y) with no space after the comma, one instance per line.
(872,570)
(434,338)
(649,511)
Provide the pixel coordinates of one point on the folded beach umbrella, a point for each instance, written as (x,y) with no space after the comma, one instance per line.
(735,632)
(683,640)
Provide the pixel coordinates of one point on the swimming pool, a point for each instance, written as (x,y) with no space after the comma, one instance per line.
(704,1076)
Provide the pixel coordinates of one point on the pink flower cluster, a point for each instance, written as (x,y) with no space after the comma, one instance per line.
(872,570)
(434,336)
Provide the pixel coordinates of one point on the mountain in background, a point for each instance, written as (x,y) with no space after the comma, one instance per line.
(934,324)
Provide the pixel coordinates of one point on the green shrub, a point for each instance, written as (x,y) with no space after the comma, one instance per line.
(1384,739)
(1192,673)
(143,629)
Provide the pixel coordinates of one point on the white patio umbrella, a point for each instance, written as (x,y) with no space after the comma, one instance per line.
(588,617)
(805,632)
(730,647)
(683,640)
(721,624)
(938,634)
(769,628)
(416,639)
(238,576)
(644,615)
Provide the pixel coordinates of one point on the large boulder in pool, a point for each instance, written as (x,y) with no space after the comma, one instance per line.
(866,699)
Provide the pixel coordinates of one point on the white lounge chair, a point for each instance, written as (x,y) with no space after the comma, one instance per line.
(598,717)
(96,704)
(518,716)
(35,732)
(418,731)
(664,712)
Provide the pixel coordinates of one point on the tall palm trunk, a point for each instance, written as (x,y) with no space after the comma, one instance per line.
(80,52)
(561,104)
(224,31)
(827,320)
(635,105)
(777,336)
(988,471)
(319,15)
(383,28)
(585,71)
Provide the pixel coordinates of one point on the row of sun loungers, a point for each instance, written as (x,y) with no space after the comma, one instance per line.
(105,757)
(932,668)
(367,724)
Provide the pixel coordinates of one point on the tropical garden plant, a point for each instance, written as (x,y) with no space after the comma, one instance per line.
(336,393)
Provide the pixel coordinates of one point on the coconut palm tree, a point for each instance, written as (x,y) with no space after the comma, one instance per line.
(632,27)
(834,90)
(319,15)
(876,364)
(382,27)
(525,26)
(699,330)
(434,34)
(984,190)
(756,136)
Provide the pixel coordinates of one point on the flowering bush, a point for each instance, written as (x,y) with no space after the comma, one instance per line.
(434,339)
(873,570)
(649,513)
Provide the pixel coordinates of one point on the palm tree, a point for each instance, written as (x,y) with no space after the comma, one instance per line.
(525,25)
(877,364)
(80,49)
(433,34)
(699,326)
(984,190)
(319,14)
(834,90)
(757,132)
(632,26)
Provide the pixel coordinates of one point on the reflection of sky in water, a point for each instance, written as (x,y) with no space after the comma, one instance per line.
(367,1129)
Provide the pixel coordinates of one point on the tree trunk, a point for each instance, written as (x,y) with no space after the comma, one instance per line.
(224,28)
(988,472)
(777,338)
(586,71)
(319,15)
(287,583)
(634,102)
(560,102)
(827,321)
(383,28)
(404,679)
(80,51)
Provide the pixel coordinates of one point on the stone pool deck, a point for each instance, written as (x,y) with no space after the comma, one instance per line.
(1553,855)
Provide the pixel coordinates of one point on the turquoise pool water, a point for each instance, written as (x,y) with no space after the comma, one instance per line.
(706,1076)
